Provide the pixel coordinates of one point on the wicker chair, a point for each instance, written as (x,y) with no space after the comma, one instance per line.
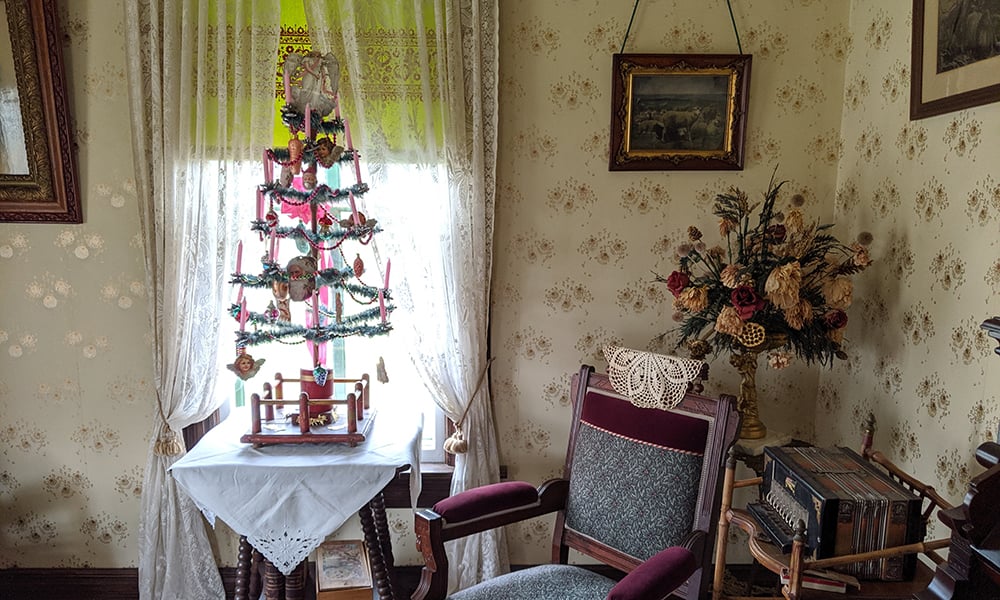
(640,493)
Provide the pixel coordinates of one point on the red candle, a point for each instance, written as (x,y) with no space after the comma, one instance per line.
(381,305)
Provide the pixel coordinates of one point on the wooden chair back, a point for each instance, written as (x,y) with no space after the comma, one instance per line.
(643,479)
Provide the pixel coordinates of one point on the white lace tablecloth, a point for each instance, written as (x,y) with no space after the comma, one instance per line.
(287,498)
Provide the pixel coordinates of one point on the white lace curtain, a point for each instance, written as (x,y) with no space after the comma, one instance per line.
(420,82)
(201,99)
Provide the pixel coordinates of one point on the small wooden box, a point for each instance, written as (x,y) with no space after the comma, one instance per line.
(343,571)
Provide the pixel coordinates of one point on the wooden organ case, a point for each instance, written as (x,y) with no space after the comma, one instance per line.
(972,571)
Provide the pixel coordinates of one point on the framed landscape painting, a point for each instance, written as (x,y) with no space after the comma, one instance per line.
(679,111)
(955,55)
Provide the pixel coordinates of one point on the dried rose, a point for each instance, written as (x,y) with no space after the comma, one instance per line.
(835,319)
(782,285)
(800,314)
(729,322)
(860,258)
(694,299)
(730,275)
(746,301)
(838,291)
(677,281)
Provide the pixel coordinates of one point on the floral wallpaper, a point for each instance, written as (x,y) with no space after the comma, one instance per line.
(577,249)
(829,111)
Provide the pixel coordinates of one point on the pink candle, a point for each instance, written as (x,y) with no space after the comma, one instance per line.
(336,105)
(239,295)
(350,145)
(354,210)
(243,315)
(239,256)
(381,305)
(274,246)
(268,168)
(388,265)
(260,205)
(308,126)
(288,85)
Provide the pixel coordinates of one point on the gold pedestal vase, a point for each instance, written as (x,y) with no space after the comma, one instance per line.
(751,427)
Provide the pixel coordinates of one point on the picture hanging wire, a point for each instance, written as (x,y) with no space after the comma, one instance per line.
(632,18)
(635,6)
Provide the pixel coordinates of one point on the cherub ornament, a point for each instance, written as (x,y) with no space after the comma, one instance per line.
(245,366)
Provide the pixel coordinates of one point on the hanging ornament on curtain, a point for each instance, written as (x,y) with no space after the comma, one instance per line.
(380,373)
(456,442)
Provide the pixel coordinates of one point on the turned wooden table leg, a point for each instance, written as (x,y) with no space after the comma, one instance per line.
(384,539)
(380,574)
(274,582)
(241,587)
(295,582)
(255,579)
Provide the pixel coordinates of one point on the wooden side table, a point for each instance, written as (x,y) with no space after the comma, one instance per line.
(317,487)
(254,571)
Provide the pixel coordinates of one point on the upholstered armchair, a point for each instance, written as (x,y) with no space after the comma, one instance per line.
(640,494)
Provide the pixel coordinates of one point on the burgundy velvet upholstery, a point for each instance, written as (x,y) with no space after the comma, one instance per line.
(652,426)
(656,577)
(486,500)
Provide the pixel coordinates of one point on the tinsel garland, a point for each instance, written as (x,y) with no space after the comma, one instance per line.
(320,237)
(262,319)
(334,278)
(283,156)
(322,194)
(325,333)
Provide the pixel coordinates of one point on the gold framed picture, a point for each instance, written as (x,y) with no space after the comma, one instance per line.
(955,56)
(679,111)
(343,571)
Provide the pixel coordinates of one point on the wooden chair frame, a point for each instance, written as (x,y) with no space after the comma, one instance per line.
(432,530)
(795,563)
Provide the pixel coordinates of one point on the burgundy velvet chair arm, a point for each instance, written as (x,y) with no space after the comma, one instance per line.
(657,577)
(473,511)
(488,499)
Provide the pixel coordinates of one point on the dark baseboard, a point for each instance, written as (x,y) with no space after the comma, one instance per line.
(123,584)
(78,584)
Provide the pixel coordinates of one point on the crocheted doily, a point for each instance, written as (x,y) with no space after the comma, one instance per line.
(650,380)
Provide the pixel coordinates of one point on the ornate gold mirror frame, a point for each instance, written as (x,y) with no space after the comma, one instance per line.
(40,184)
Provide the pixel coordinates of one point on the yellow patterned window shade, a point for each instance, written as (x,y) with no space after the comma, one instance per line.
(294,39)
(390,87)
(231,88)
